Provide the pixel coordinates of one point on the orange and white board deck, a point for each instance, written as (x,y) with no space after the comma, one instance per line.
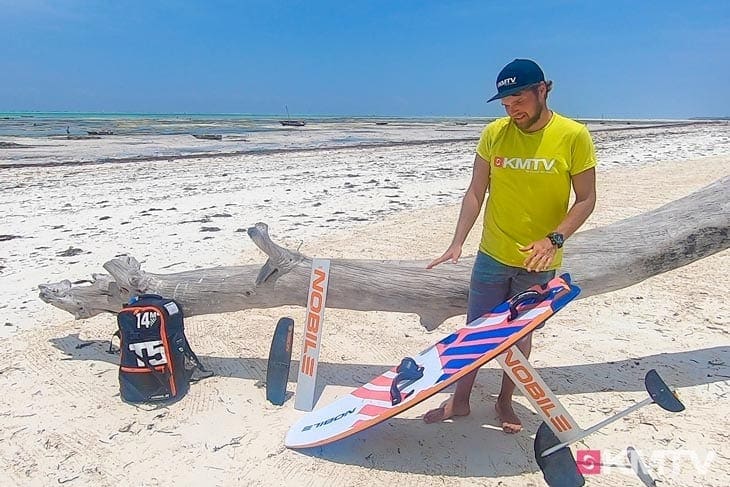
(442,364)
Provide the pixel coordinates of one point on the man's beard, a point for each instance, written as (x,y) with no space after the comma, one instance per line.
(530,122)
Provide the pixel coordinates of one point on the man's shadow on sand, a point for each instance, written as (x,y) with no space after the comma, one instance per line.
(467,447)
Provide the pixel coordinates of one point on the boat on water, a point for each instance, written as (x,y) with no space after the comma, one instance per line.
(291,123)
(208,136)
(100,132)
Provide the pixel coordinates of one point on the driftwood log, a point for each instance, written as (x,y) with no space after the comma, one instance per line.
(599,260)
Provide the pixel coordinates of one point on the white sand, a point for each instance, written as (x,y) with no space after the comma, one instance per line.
(180,214)
(63,422)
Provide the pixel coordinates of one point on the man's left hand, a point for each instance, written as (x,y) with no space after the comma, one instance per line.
(541,255)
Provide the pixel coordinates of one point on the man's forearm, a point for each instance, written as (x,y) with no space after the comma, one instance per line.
(470,208)
(578,214)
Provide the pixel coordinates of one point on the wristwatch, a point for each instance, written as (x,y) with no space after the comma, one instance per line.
(556,239)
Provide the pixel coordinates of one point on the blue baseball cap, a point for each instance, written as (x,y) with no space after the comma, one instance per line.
(516,76)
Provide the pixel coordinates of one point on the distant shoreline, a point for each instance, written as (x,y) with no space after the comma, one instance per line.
(287,150)
(313,115)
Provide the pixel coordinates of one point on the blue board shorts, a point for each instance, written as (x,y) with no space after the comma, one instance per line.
(493,283)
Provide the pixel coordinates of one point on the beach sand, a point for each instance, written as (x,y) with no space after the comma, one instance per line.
(63,421)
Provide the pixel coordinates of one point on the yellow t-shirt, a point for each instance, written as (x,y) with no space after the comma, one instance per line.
(530,182)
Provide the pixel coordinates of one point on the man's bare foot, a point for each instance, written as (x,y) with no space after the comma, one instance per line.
(510,422)
(448,409)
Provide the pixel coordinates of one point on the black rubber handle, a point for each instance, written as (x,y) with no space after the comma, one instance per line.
(522,298)
(407,370)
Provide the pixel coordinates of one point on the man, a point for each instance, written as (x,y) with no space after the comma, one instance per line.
(529,160)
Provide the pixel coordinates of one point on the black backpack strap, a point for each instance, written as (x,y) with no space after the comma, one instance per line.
(111,341)
(161,378)
(196,363)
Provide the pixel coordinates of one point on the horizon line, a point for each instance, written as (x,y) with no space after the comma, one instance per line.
(300,115)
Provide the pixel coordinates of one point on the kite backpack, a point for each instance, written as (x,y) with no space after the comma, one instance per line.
(156,362)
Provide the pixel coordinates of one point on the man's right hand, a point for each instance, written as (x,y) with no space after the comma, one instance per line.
(452,253)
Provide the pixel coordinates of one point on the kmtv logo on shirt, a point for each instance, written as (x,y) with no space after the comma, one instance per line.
(531,164)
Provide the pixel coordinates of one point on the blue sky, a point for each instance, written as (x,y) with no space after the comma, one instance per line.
(401,58)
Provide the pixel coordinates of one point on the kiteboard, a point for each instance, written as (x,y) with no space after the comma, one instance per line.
(440,365)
